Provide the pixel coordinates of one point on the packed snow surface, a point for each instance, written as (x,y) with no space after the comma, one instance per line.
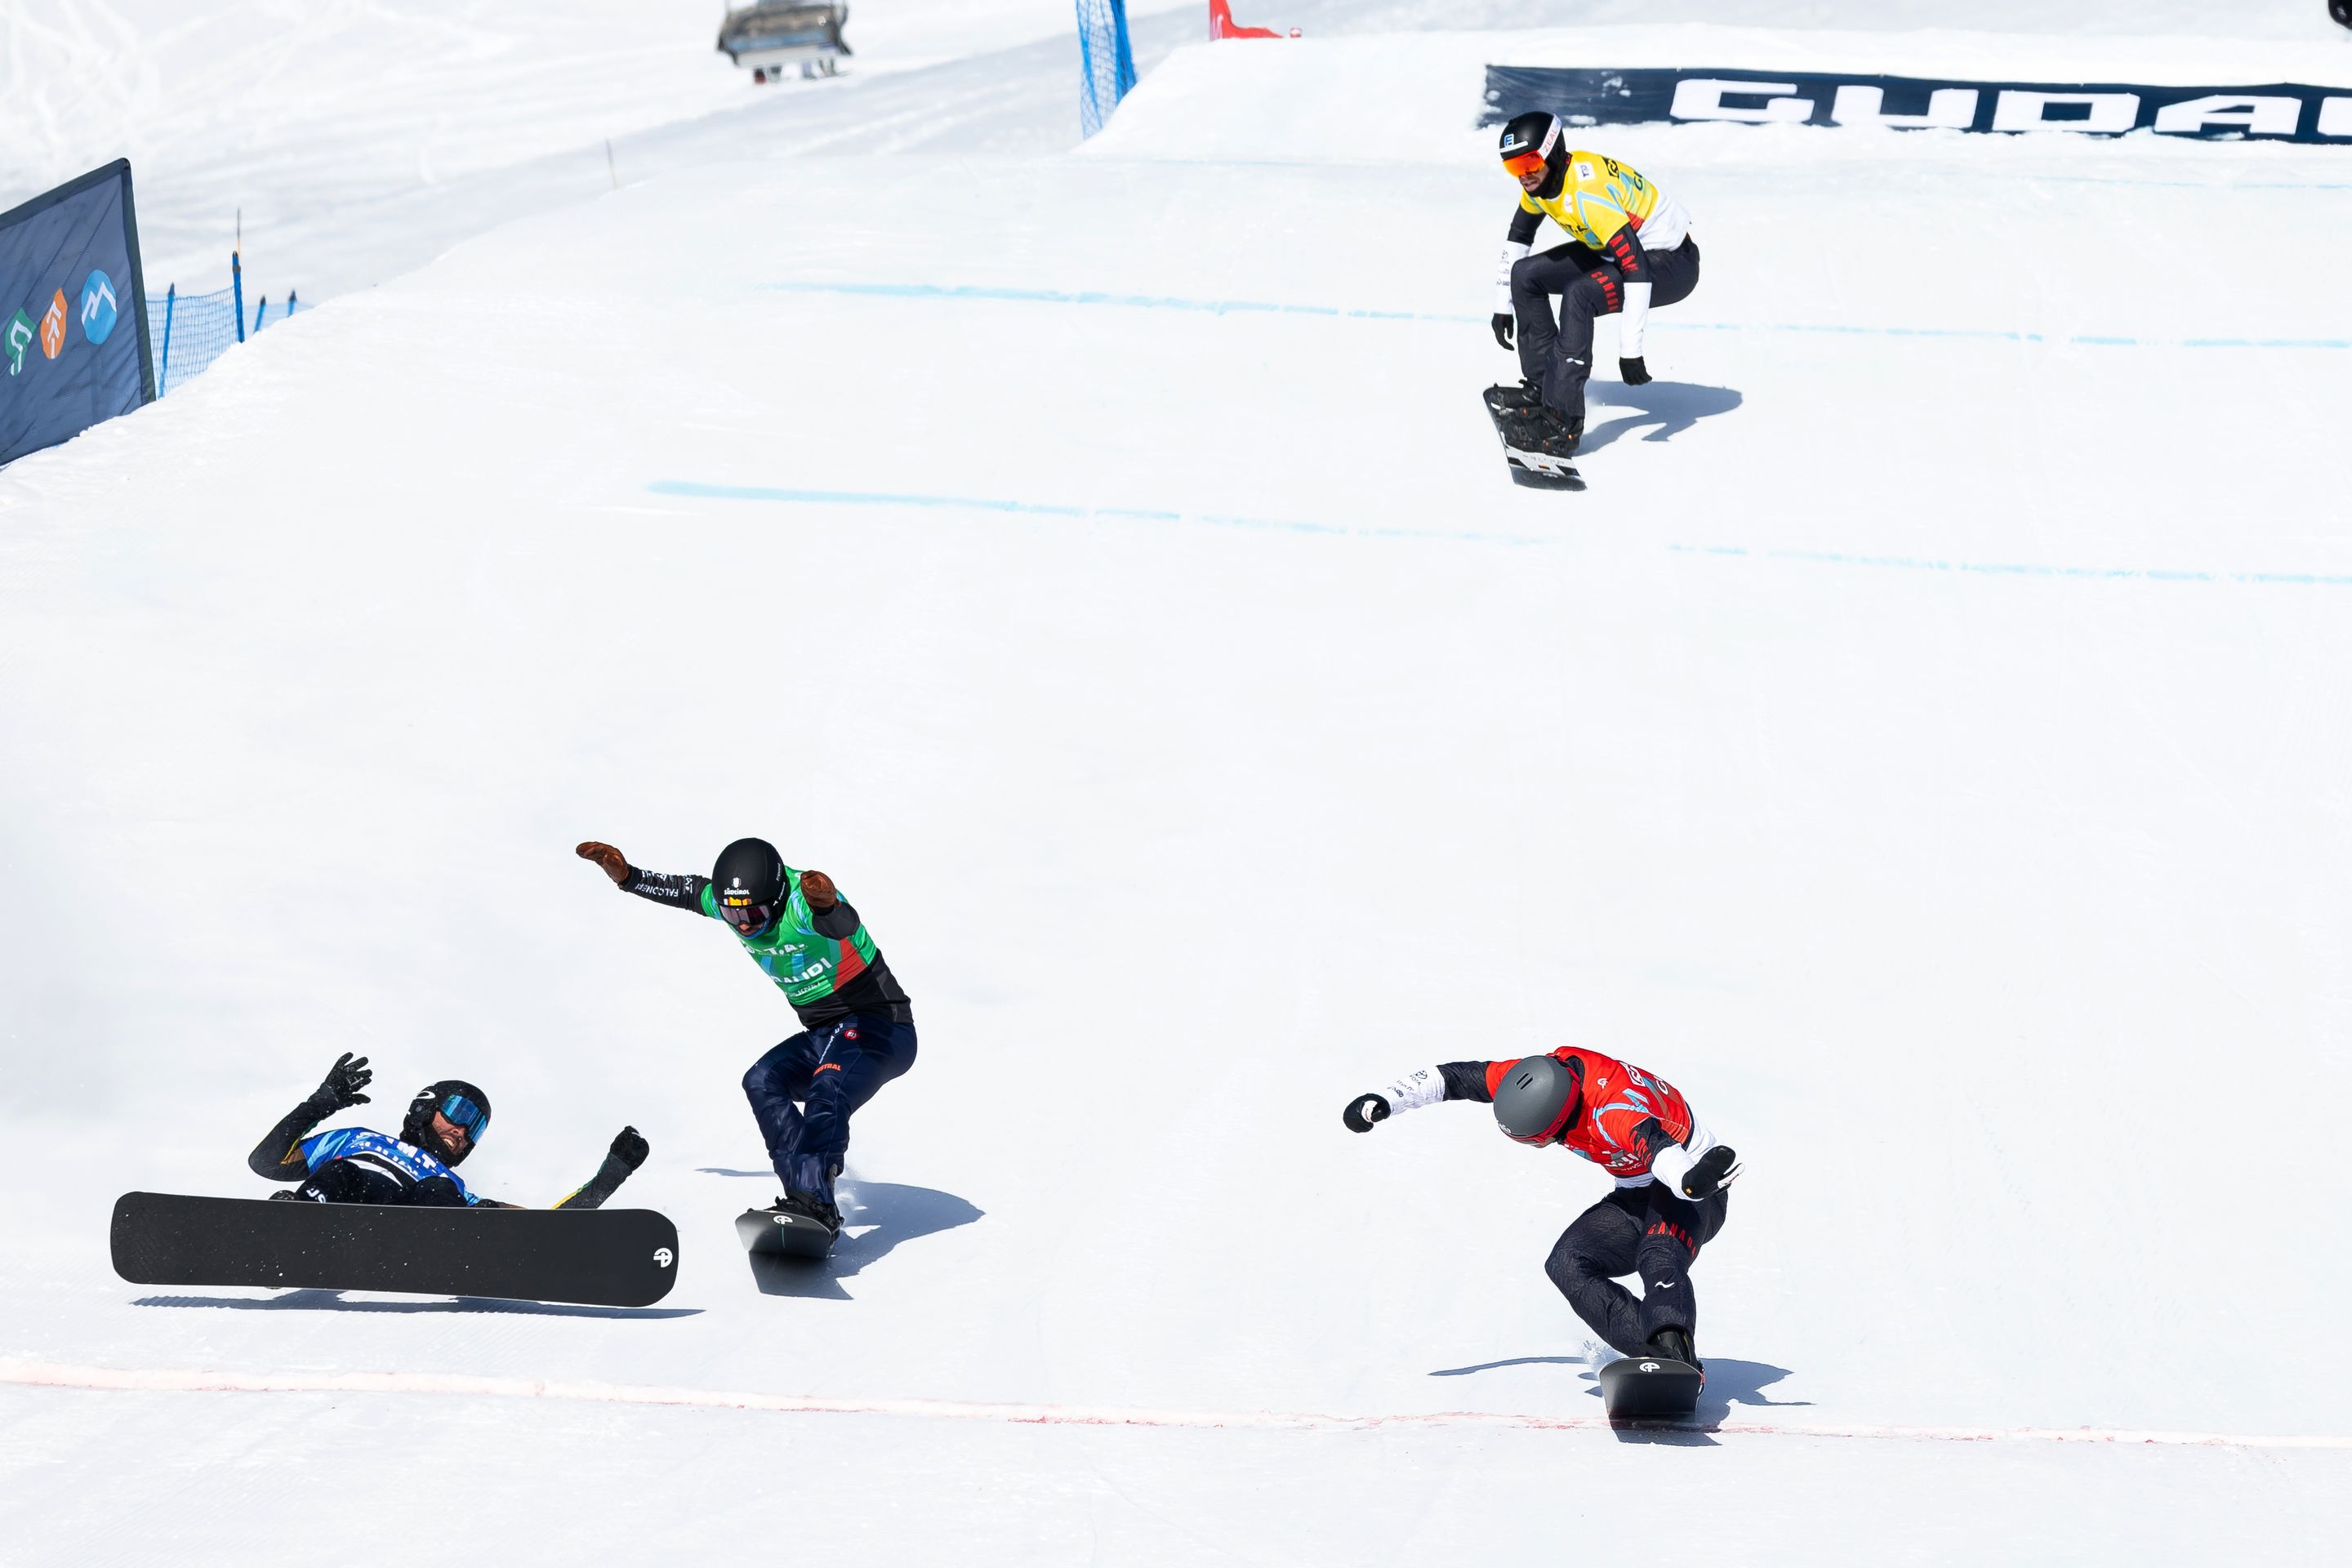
(1924,743)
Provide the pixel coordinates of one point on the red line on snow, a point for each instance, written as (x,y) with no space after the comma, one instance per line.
(167,1380)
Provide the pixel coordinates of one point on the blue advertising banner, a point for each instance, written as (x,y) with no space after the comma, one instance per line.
(73,312)
(2283,113)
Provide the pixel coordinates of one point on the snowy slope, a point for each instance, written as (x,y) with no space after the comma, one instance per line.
(1922,743)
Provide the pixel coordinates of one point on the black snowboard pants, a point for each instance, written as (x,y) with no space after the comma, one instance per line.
(832,1071)
(1558,356)
(1652,1231)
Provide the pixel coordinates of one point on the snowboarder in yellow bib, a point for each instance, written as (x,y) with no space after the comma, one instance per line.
(1629,251)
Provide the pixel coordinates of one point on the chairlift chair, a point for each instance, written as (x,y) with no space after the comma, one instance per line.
(769,35)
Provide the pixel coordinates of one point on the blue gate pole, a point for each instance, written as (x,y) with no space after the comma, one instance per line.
(236,288)
(290,296)
(171,298)
(261,312)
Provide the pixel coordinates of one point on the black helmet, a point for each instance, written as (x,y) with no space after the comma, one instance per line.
(749,879)
(1537,1098)
(459,1103)
(1532,135)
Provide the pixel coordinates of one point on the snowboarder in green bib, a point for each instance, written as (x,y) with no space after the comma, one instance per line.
(858,1028)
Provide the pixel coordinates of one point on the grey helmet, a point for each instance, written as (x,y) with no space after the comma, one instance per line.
(1537,1100)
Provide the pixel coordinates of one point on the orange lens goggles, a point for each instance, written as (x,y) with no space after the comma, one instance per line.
(1525,164)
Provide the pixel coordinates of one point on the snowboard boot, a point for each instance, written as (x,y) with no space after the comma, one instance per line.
(1514,402)
(811,1206)
(1674,1344)
(1547,431)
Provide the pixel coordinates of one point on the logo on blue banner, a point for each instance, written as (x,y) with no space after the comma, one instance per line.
(2284,111)
(68,256)
(18,337)
(98,307)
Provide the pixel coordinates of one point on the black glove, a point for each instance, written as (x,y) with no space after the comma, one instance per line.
(629,1147)
(1502,329)
(1632,372)
(1710,1173)
(1363,1111)
(340,1090)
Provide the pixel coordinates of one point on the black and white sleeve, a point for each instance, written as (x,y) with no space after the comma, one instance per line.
(679,891)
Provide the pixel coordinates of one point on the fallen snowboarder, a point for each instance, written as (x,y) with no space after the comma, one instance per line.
(445,1121)
(389,1214)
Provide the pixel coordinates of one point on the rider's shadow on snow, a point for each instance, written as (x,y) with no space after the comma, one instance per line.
(1673,406)
(875,1217)
(318,1300)
(1728,1383)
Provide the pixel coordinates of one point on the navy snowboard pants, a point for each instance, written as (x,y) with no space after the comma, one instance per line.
(1652,1231)
(831,1070)
(1558,356)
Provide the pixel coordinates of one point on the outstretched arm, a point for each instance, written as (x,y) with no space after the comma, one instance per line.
(681,890)
(1426,1085)
(279,1156)
(628,1152)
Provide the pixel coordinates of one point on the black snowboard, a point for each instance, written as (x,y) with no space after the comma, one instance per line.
(1650,1388)
(1533,469)
(766,1233)
(608,1257)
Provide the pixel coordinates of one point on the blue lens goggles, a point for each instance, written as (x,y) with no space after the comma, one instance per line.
(459,1112)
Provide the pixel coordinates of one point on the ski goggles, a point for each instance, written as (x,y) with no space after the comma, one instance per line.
(749,917)
(461,1112)
(1533,160)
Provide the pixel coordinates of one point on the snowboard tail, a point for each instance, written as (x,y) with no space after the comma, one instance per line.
(766,1233)
(1650,1388)
(606,1258)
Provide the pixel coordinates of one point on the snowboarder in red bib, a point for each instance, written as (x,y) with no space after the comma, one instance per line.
(1671,1175)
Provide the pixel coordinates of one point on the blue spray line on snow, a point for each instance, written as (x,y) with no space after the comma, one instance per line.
(1097,297)
(970,291)
(2016,569)
(690,489)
